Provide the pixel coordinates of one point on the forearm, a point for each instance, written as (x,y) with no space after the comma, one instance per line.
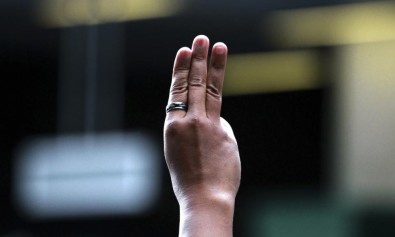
(207,217)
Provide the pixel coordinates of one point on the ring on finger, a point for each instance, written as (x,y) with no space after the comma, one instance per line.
(176,106)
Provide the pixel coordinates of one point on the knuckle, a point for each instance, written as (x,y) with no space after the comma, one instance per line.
(213,91)
(174,127)
(197,80)
(196,85)
(218,66)
(196,122)
(181,72)
(178,89)
(179,127)
(179,85)
(199,57)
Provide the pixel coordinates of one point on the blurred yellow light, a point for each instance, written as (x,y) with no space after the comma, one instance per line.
(336,25)
(56,13)
(365,116)
(271,72)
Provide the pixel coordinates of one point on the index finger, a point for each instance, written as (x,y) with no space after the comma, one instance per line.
(179,83)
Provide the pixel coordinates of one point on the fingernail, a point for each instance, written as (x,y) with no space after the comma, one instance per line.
(200,42)
(220,50)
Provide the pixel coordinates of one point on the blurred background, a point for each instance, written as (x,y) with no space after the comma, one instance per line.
(309,92)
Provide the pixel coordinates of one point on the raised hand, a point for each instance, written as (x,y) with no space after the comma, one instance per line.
(200,148)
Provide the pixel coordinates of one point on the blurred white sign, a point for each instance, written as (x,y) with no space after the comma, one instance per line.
(85,175)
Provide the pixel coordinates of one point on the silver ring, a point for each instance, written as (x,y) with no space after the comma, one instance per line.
(176,105)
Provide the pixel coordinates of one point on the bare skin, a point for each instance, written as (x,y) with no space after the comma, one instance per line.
(200,148)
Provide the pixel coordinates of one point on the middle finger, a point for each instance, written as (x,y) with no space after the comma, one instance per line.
(197,76)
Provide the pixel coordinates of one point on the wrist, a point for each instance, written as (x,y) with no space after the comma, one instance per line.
(208,215)
(217,200)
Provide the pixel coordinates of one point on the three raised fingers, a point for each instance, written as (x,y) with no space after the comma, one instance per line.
(195,85)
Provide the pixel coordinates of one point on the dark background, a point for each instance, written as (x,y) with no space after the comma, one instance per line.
(281,135)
